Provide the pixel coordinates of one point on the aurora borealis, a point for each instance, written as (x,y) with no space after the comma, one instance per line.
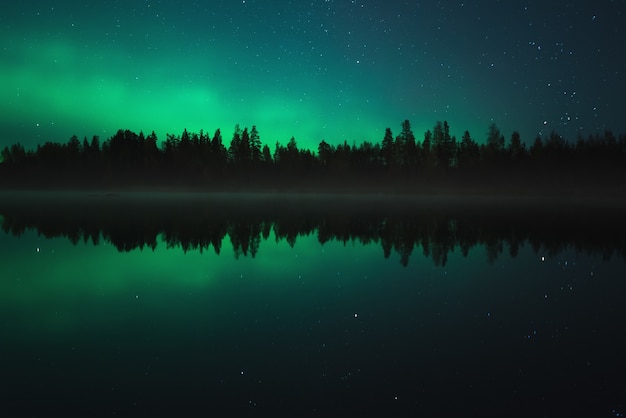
(333,70)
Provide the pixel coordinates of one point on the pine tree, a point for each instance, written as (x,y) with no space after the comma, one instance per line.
(447,150)
(469,152)
(409,148)
(427,149)
(244,150)
(266,155)
(387,149)
(494,149)
(235,143)
(255,145)
(440,146)
(324,151)
(219,154)
(516,149)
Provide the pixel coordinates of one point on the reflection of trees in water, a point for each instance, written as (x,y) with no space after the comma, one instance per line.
(436,231)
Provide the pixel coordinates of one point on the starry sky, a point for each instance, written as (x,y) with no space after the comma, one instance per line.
(338,70)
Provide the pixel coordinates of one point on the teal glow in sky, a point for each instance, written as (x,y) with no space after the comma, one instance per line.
(333,69)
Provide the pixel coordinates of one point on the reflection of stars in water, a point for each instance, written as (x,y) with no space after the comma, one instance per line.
(571,269)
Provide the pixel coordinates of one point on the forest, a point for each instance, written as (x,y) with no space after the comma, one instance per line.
(198,161)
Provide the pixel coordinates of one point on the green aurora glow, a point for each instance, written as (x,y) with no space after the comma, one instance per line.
(333,70)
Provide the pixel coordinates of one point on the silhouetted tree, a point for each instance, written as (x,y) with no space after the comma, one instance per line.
(219,154)
(444,146)
(428,155)
(555,148)
(407,148)
(266,155)
(494,148)
(536,150)
(387,149)
(325,152)
(151,152)
(255,145)
(516,149)
(469,152)
(244,151)
(14,156)
(235,145)
(5,157)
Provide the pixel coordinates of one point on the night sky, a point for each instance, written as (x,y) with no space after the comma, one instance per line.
(325,69)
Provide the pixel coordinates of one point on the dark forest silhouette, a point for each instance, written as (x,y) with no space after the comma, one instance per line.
(403,227)
(203,162)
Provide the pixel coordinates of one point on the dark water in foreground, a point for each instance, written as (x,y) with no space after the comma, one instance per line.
(317,306)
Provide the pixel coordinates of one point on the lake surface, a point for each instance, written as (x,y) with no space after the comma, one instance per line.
(229,305)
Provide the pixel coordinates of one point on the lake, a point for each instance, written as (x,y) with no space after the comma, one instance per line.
(315,305)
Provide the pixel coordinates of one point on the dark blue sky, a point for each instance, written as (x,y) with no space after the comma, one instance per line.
(331,69)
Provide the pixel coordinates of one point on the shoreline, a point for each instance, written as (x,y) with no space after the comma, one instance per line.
(580,198)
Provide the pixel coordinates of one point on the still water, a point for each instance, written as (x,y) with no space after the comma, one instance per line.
(187,305)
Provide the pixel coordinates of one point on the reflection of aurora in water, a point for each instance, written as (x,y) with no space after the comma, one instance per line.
(318,320)
(434,226)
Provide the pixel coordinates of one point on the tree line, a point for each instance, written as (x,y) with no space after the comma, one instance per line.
(199,160)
